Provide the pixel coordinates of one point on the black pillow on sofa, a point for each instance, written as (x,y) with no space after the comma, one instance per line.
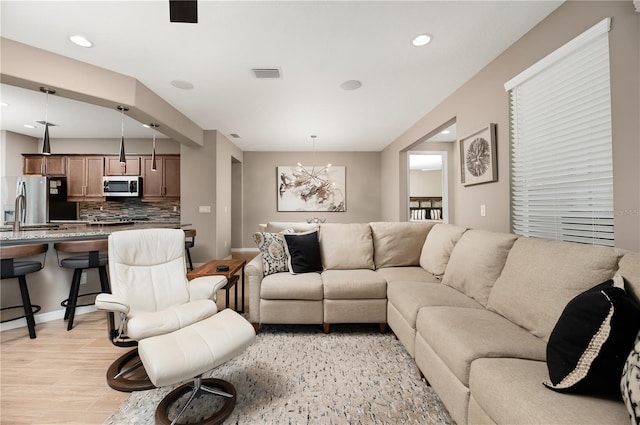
(303,250)
(590,343)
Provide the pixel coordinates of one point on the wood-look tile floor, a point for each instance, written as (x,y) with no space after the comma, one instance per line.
(59,377)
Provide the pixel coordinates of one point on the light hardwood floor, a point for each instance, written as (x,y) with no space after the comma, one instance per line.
(59,377)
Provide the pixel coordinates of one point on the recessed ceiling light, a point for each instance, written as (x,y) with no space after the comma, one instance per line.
(351,85)
(80,40)
(29,126)
(421,40)
(181,84)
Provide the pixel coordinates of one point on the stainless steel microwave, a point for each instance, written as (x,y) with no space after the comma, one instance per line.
(122,186)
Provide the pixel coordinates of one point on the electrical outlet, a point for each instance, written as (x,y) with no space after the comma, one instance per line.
(483,210)
(175,209)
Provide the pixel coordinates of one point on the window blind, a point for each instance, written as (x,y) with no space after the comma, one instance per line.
(560,123)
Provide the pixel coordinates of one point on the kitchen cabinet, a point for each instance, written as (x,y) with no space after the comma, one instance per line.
(165,181)
(130,168)
(84,177)
(44,165)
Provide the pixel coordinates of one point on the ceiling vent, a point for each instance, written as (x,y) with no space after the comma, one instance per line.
(266,72)
(235,135)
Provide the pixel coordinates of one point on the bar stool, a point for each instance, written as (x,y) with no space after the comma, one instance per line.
(13,268)
(90,259)
(189,243)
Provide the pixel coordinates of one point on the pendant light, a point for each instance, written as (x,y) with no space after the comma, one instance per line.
(315,175)
(46,144)
(123,160)
(153,126)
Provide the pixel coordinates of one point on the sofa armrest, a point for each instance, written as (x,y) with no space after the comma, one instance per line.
(206,287)
(254,272)
(110,302)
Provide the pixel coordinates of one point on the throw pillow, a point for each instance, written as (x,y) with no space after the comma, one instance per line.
(303,252)
(630,383)
(272,250)
(588,346)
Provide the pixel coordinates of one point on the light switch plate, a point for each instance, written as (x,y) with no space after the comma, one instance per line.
(204,209)
(483,210)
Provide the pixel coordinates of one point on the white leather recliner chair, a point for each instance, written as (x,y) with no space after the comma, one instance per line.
(172,320)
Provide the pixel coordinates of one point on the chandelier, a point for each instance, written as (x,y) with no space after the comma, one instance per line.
(316,175)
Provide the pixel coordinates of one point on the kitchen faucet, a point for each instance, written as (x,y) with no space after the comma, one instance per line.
(19,211)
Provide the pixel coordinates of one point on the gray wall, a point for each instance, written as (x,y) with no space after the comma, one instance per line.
(363,197)
(483,100)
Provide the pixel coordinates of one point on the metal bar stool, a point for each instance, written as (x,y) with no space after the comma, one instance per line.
(13,268)
(90,259)
(189,243)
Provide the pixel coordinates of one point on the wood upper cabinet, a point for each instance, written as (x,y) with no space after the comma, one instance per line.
(45,165)
(164,182)
(130,168)
(84,177)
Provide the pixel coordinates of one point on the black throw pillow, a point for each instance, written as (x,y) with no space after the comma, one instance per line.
(590,343)
(303,250)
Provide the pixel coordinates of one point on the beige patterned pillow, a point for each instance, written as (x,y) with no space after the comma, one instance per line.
(272,250)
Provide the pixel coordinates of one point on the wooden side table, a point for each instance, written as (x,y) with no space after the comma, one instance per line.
(209,269)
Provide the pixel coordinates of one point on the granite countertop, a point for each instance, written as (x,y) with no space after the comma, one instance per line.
(75,231)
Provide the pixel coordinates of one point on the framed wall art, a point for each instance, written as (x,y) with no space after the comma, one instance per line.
(311,188)
(478,157)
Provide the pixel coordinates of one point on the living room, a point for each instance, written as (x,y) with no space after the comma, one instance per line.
(376,180)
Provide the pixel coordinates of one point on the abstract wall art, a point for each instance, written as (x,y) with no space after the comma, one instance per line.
(311,188)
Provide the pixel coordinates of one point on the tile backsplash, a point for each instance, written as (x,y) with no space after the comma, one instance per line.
(132,209)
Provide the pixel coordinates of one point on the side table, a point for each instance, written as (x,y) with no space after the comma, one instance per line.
(209,269)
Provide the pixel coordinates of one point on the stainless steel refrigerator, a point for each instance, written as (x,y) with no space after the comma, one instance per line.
(45,200)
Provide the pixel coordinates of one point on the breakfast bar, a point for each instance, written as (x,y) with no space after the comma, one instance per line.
(50,286)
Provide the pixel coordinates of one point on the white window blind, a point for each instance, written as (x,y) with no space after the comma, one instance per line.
(561,169)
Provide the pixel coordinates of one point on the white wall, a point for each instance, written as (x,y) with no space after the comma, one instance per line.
(363,197)
(425,183)
(483,100)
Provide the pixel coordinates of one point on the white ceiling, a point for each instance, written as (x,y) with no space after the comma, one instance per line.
(318,45)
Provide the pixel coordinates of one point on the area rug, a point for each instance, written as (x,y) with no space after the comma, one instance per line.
(299,375)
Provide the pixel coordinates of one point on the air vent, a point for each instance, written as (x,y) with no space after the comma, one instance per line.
(266,72)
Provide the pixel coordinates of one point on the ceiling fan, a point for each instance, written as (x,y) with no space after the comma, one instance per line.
(183,11)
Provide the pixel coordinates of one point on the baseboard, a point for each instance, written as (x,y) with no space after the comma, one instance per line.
(45,317)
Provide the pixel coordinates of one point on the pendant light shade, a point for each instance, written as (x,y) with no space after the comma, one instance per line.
(123,160)
(153,152)
(46,143)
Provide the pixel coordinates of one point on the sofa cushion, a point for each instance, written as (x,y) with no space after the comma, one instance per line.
(303,252)
(287,286)
(272,251)
(418,274)
(509,391)
(630,271)
(290,226)
(437,247)
(346,246)
(476,262)
(409,297)
(460,335)
(630,383)
(541,276)
(590,343)
(353,284)
(398,243)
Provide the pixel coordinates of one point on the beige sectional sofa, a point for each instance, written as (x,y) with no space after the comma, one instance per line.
(474,308)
